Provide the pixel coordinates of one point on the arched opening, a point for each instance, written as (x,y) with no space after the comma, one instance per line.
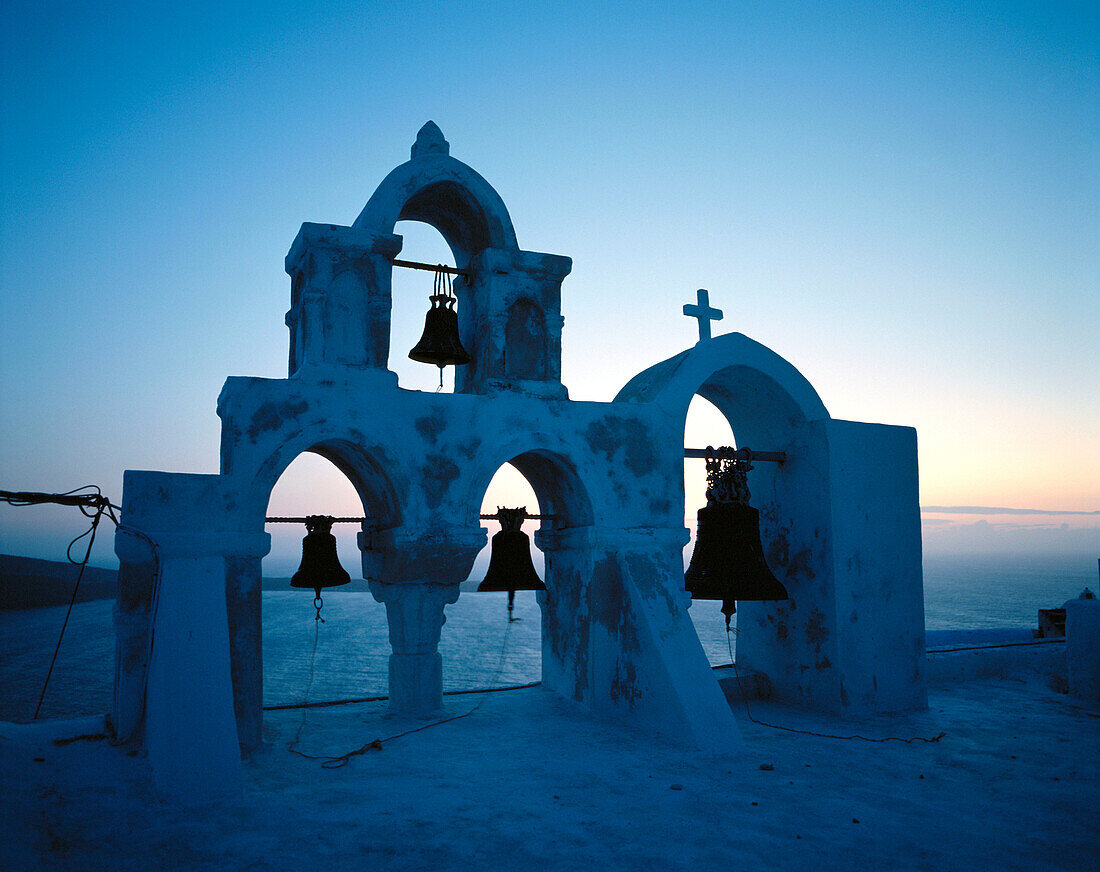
(352,646)
(705,425)
(552,629)
(411,289)
(451,208)
(507,488)
(472,644)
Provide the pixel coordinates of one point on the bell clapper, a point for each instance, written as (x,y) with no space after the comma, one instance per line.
(318,602)
(729,608)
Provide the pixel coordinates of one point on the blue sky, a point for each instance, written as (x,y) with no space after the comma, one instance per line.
(901,199)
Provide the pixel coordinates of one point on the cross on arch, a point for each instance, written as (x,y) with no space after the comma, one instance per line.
(703,313)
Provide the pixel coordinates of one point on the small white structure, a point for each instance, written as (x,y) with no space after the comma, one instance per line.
(840,522)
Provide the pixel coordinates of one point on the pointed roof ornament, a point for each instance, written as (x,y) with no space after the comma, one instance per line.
(430,141)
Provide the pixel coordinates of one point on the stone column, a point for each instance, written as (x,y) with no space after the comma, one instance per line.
(414,611)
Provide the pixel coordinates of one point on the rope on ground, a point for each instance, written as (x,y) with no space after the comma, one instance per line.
(329,703)
(748,712)
(337,762)
(309,685)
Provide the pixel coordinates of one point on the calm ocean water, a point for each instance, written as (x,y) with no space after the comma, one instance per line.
(352,646)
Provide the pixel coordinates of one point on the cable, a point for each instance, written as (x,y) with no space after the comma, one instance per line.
(745,700)
(92,505)
(1040,641)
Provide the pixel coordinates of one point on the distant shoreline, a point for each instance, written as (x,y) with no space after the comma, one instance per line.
(33,583)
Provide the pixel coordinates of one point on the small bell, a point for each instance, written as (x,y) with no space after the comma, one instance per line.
(440,343)
(320,566)
(728,561)
(510,566)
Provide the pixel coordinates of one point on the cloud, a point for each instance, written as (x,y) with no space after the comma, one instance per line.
(1000,510)
(944,536)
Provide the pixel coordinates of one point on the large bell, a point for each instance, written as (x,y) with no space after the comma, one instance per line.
(320,566)
(439,344)
(728,561)
(510,566)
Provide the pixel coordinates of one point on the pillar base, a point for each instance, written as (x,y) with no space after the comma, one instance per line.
(416,685)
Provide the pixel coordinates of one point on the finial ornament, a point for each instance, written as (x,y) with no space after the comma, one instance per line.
(430,141)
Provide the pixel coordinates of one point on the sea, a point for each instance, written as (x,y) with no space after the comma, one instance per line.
(480,649)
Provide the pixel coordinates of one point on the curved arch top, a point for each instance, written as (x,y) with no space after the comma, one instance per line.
(544,462)
(366,474)
(728,368)
(439,190)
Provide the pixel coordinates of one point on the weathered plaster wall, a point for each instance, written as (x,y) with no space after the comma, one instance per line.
(877,566)
(794,642)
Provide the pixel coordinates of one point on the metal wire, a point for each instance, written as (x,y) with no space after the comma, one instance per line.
(92,505)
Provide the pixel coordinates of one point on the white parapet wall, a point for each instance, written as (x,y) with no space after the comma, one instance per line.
(1083,649)
(988,658)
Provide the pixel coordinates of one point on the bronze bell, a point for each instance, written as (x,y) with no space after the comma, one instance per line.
(320,566)
(440,344)
(510,566)
(728,561)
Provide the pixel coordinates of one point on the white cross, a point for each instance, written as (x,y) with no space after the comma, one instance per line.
(704,313)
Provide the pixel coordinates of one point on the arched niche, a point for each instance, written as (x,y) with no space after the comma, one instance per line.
(525,354)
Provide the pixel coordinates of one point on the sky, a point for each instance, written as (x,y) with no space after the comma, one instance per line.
(903,200)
